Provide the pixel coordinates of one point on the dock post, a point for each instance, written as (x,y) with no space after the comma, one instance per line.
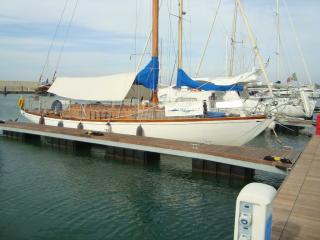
(318,125)
(151,157)
(130,155)
(214,168)
(32,138)
(253,216)
(82,147)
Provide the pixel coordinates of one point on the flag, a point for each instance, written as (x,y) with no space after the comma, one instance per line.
(294,77)
(291,78)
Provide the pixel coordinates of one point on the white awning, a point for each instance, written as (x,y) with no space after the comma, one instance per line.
(105,88)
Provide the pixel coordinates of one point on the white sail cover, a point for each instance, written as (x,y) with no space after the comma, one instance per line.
(244,78)
(105,88)
(183,109)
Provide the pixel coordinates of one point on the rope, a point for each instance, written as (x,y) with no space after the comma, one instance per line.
(46,64)
(67,35)
(209,37)
(298,44)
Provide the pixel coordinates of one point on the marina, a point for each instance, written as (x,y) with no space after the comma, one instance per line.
(234,160)
(159,119)
(296,206)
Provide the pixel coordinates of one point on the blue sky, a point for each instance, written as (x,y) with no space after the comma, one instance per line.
(108,36)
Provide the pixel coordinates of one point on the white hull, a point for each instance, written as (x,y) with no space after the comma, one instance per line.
(220,132)
(285,107)
(233,104)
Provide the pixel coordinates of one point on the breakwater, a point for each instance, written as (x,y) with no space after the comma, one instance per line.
(7,87)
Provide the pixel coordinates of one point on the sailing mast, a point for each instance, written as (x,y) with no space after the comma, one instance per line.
(255,47)
(155,42)
(233,40)
(278,40)
(180,34)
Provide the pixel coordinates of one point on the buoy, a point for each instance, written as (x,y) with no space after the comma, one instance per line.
(80,125)
(60,123)
(109,128)
(41,120)
(139,131)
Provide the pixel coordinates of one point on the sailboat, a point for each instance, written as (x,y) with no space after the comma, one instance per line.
(109,111)
(281,103)
(288,101)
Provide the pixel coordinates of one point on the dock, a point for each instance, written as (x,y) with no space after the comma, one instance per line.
(225,160)
(298,123)
(296,213)
(9,87)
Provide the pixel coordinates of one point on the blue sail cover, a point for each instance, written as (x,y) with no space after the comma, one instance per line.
(149,76)
(184,80)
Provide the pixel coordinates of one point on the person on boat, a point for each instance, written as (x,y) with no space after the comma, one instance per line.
(205,108)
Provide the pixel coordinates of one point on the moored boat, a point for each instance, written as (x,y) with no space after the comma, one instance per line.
(186,121)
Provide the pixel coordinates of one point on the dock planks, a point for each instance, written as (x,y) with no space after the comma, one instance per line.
(244,156)
(297,205)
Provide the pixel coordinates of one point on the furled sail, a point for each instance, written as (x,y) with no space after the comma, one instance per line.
(105,88)
(184,80)
(149,76)
(244,78)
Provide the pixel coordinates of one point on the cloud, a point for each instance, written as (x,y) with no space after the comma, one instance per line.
(105,35)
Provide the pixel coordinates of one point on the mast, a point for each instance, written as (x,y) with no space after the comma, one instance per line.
(233,40)
(155,41)
(254,43)
(227,56)
(180,34)
(278,39)
(155,28)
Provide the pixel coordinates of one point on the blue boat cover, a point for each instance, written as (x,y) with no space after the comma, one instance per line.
(184,80)
(216,114)
(149,76)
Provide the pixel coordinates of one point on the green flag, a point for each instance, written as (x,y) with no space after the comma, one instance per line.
(294,77)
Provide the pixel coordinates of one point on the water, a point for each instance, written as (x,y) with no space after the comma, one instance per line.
(50,194)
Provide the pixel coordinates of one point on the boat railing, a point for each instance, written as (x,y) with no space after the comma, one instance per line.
(54,106)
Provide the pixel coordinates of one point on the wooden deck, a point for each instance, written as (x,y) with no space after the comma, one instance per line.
(297,204)
(248,157)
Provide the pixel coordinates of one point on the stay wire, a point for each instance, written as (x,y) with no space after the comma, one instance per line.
(66,36)
(46,64)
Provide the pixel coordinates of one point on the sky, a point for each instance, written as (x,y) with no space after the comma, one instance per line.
(108,36)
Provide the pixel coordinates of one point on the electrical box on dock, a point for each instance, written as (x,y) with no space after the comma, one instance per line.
(253,218)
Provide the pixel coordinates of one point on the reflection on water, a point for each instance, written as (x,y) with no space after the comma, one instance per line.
(59,195)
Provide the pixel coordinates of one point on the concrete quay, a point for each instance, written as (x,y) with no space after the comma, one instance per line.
(8,87)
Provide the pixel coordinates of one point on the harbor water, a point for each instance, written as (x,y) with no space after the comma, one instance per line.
(47,193)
